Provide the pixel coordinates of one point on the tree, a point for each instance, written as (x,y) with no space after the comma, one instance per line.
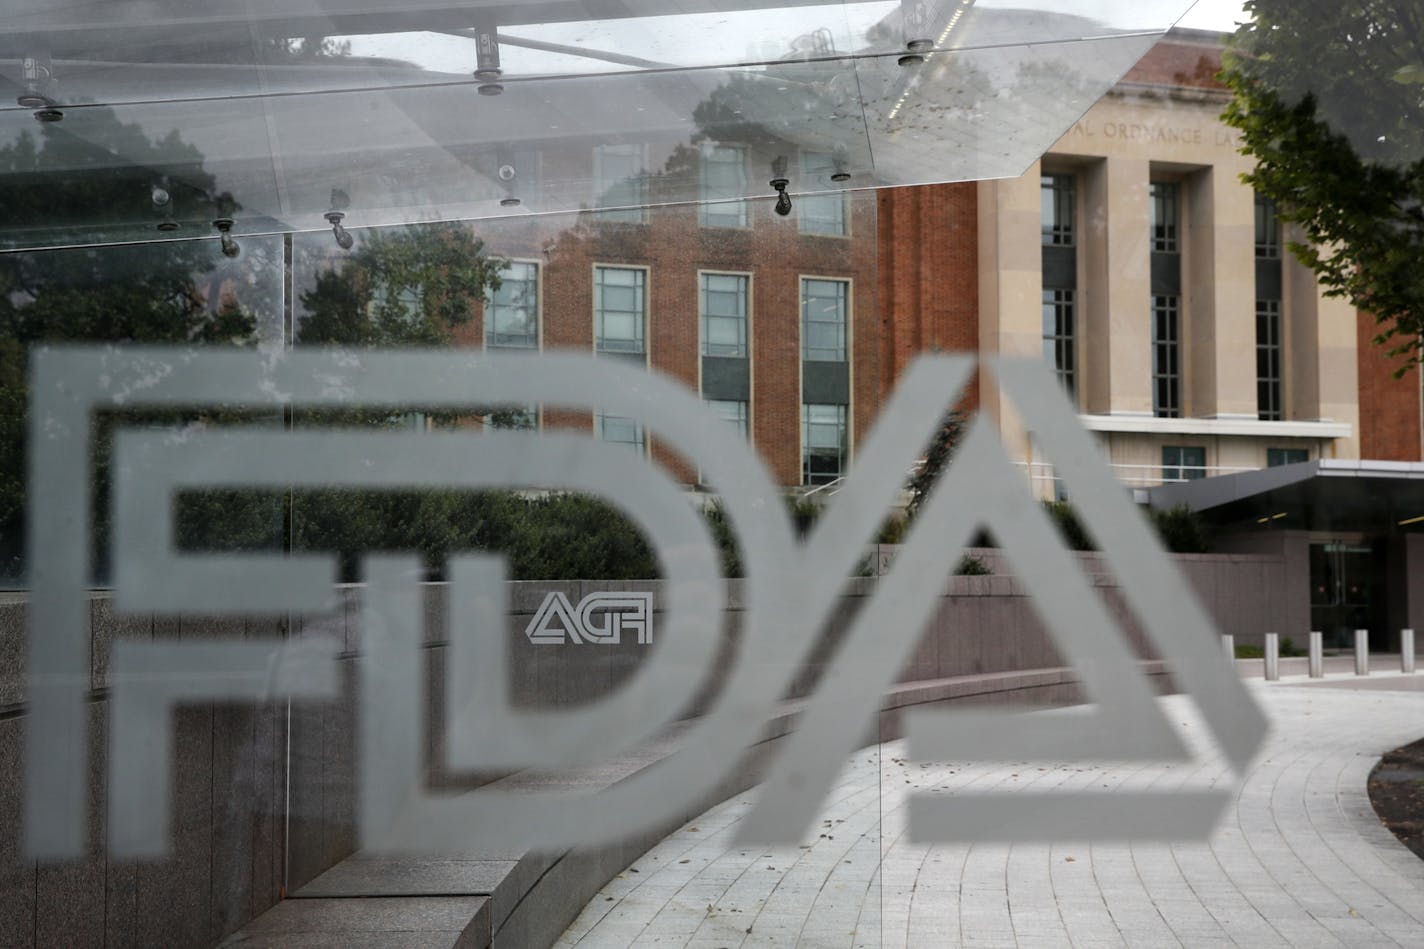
(169,292)
(410,287)
(941,449)
(1329,99)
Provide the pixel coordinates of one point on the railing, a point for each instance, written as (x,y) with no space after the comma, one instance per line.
(1140,476)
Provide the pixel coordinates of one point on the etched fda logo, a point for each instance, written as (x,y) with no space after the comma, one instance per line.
(601,619)
(789,594)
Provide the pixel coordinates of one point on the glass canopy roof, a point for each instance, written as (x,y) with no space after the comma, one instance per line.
(132,120)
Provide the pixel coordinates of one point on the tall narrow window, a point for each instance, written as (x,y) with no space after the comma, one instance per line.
(731,411)
(620,183)
(512,318)
(823,443)
(1268,229)
(1057,195)
(724,183)
(1166,357)
(620,309)
(1058,348)
(1165,217)
(724,314)
(821,213)
(619,430)
(824,308)
(1183,462)
(1268,359)
(1269,324)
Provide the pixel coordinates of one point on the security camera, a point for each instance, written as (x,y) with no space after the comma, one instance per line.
(159,197)
(507,172)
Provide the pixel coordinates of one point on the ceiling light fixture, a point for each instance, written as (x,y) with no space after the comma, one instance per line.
(39,78)
(779,183)
(229,245)
(487,67)
(340,201)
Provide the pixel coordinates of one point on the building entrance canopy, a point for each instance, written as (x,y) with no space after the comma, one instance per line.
(1324,495)
(272,113)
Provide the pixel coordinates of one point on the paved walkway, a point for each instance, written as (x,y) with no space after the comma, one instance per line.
(1298,860)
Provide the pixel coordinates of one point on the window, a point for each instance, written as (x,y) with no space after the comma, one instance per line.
(1275,457)
(1166,357)
(823,443)
(620,182)
(512,317)
(1165,217)
(1058,343)
(619,430)
(824,304)
(1183,463)
(1268,359)
(724,177)
(620,309)
(724,314)
(1268,229)
(1057,198)
(734,413)
(821,213)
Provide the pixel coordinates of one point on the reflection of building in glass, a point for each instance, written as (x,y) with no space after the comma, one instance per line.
(770,319)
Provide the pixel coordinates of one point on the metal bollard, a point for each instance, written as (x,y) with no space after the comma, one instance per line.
(1228,645)
(1362,652)
(1406,651)
(1273,657)
(1317,655)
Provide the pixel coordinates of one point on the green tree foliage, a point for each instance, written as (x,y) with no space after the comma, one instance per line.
(1065,518)
(941,448)
(171,292)
(1182,530)
(409,287)
(1329,100)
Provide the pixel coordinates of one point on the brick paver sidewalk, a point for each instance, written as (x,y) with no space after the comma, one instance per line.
(1298,860)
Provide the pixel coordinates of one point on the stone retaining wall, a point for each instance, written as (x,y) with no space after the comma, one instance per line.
(264,802)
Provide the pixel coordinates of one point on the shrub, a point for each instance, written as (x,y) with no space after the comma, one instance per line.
(1182,530)
(893,530)
(971,566)
(726,538)
(804,513)
(1065,517)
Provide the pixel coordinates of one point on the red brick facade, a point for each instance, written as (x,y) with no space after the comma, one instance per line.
(929,274)
(674,247)
(1180,62)
(1390,422)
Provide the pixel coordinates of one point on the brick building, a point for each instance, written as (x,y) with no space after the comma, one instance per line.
(1131,256)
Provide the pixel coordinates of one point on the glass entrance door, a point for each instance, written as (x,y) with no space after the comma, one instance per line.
(1346,591)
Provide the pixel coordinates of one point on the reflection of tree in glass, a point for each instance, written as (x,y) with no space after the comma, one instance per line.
(66,177)
(409,287)
(137,293)
(1330,104)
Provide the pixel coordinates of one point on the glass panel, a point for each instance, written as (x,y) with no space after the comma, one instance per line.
(824,306)
(620,307)
(724,314)
(823,213)
(1058,195)
(274,119)
(1164,216)
(512,317)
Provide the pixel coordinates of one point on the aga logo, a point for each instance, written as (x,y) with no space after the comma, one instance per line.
(789,594)
(601,619)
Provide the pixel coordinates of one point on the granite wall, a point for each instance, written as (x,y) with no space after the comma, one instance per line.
(264,801)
